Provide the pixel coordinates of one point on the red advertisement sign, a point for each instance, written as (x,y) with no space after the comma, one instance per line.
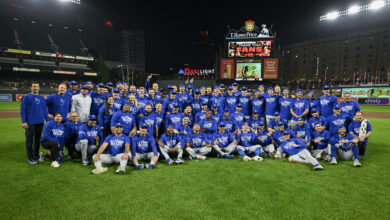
(270,68)
(227,69)
(20,96)
(340,100)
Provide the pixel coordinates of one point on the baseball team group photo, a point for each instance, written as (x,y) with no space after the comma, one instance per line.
(246,121)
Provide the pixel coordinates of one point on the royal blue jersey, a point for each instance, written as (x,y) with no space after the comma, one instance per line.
(97,102)
(285,105)
(173,119)
(230,124)
(299,106)
(258,105)
(246,139)
(314,104)
(33,109)
(278,137)
(116,145)
(168,105)
(200,116)
(159,119)
(217,117)
(197,140)
(204,99)
(274,124)
(103,118)
(333,123)
(72,130)
(238,118)
(231,102)
(326,105)
(183,99)
(196,106)
(127,120)
(219,102)
(118,105)
(303,132)
(56,103)
(142,102)
(288,148)
(172,141)
(265,139)
(271,104)
(54,132)
(223,139)
(183,131)
(245,102)
(348,109)
(254,123)
(143,145)
(209,125)
(313,121)
(70,93)
(324,136)
(354,127)
(190,118)
(150,121)
(89,133)
(336,138)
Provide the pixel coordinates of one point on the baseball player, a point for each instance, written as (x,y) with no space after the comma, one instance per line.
(327,102)
(254,121)
(231,100)
(81,103)
(72,131)
(196,103)
(244,99)
(208,125)
(265,140)
(349,107)
(316,118)
(362,129)
(285,103)
(335,121)
(202,114)
(314,103)
(223,142)
(198,145)
(171,143)
(59,102)
(105,114)
(344,147)
(271,104)
(320,140)
(297,151)
(184,128)
(187,112)
(238,116)
(258,105)
(89,134)
(118,150)
(278,134)
(247,143)
(302,131)
(149,120)
(218,100)
(299,108)
(126,119)
(175,117)
(215,115)
(143,147)
(230,124)
(273,124)
(98,99)
(72,89)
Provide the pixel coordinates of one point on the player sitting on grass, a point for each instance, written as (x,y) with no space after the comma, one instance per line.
(89,134)
(53,138)
(362,129)
(171,143)
(297,151)
(302,131)
(118,148)
(223,142)
(264,138)
(143,147)
(198,145)
(320,139)
(344,147)
(247,143)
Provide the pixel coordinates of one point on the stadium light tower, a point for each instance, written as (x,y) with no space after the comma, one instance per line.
(354,9)
(377,5)
(78,2)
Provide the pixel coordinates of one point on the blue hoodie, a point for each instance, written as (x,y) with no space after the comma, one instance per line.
(54,132)
(33,109)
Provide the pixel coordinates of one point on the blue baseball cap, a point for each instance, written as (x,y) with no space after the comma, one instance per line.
(83,87)
(299,90)
(115,90)
(257,91)
(336,106)
(88,82)
(124,83)
(311,91)
(276,113)
(202,87)
(175,105)
(255,112)
(226,110)
(100,85)
(249,90)
(214,106)
(73,83)
(280,124)
(92,118)
(143,125)
(197,91)
(189,87)
(325,87)
(110,84)
(173,92)
(222,86)
(221,124)
(126,103)
(181,85)
(286,132)
(314,110)
(243,88)
(118,125)
(169,86)
(118,83)
(299,119)
(286,89)
(318,123)
(270,88)
(261,85)
(216,87)
(230,88)
(260,123)
(234,84)
(239,105)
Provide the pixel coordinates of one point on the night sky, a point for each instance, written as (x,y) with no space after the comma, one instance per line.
(172,30)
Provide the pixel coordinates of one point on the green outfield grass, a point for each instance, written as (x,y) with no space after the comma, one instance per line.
(211,189)
(10,105)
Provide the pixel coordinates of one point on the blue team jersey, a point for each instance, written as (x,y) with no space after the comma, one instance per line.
(56,103)
(314,104)
(231,102)
(150,121)
(245,102)
(190,118)
(230,124)
(200,116)
(103,118)
(217,117)
(219,102)
(285,105)
(183,99)
(196,106)
(204,99)
(33,109)
(142,102)
(274,124)
(97,102)
(258,105)
(89,133)
(53,132)
(197,140)
(265,138)
(303,132)
(173,119)
(142,145)
(326,105)
(223,139)
(288,148)
(72,130)
(299,106)
(172,141)
(313,121)
(271,104)
(238,118)
(116,145)
(278,136)
(118,105)
(127,120)
(336,138)
(254,123)
(209,125)
(246,139)
(354,127)
(333,123)
(324,136)
(348,109)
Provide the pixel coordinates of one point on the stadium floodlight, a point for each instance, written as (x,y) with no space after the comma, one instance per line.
(354,9)
(332,15)
(71,1)
(377,5)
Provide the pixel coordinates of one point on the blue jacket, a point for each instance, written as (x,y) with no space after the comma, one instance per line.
(103,118)
(54,132)
(33,109)
(61,104)
(97,102)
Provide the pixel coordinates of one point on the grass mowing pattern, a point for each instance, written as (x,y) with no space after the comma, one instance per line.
(215,188)
(10,105)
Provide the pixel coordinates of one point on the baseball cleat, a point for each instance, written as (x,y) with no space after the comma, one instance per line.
(357,164)
(257,158)
(202,158)
(99,170)
(41,157)
(120,170)
(150,166)
(85,162)
(179,161)
(170,161)
(228,156)
(320,155)
(318,167)
(55,164)
(333,161)
(139,166)
(246,158)
(32,162)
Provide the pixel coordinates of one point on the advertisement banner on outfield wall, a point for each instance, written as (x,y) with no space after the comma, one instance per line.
(374,101)
(370,92)
(5,97)
(340,100)
(20,96)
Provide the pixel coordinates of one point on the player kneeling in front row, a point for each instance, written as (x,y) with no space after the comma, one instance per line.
(320,142)
(297,151)
(171,143)
(265,140)
(198,145)
(344,147)
(143,147)
(247,143)
(224,142)
(118,148)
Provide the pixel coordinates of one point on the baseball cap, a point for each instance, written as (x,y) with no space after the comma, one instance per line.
(118,125)
(239,105)
(299,90)
(126,103)
(100,85)
(204,103)
(222,86)
(169,86)
(230,88)
(261,123)
(336,106)
(311,91)
(243,88)
(110,84)
(325,87)
(88,82)
(118,83)
(249,90)
(221,124)
(286,89)
(276,113)
(286,132)
(189,87)
(234,84)
(202,87)
(175,105)
(143,125)
(226,110)
(318,123)
(92,118)
(280,124)
(299,119)
(174,92)
(261,85)
(255,112)
(216,87)
(314,110)
(197,91)
(73,82)
(83,87)
(181,85)
(115,90)
(214,106)
(270,88)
